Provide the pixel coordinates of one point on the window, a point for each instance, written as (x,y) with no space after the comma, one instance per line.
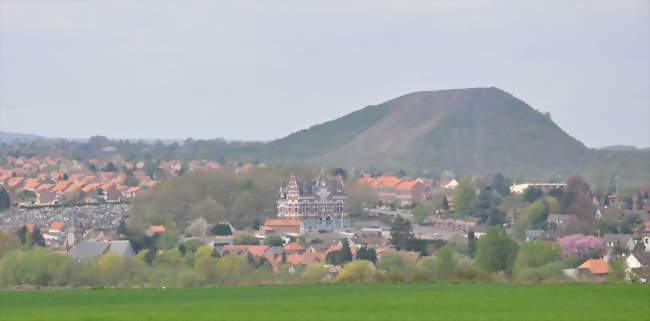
(305,207)
(339,207)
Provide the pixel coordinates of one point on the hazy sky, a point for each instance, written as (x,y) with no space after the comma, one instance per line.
(263,69)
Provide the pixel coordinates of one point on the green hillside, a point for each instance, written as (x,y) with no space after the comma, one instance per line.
(461,129)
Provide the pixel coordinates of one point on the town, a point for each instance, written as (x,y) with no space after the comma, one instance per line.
(269,225)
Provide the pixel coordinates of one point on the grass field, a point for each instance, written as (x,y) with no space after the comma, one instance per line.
(336,302)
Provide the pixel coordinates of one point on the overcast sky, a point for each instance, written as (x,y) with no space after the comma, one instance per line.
(263,69)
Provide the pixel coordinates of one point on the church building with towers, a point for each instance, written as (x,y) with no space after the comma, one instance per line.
(320,204)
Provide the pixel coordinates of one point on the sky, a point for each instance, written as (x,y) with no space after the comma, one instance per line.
(259,70)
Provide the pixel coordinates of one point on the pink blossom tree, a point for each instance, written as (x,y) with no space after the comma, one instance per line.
(580,245)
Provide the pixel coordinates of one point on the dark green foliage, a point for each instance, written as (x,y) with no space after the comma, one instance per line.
(37,238)
(487,208)
(221,230)
(531,194)
(22,234)
(471,244)
(341,256)
(150,255)
(445,203)
(501,184)
(110,167)
(5,202)
(122,228)
(401,233)
(496,251)
(246,239)
(273,240)
(368,254)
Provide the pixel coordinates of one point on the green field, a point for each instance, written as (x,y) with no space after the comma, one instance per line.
(336,302)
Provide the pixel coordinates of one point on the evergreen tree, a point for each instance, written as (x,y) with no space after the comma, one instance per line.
(22,234)
(345,254)
(368,254)
(471,244)
(401,233)
(5,202)
(37,238)
(122,229)
(445,203)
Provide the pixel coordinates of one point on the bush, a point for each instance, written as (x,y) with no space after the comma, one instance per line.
(398,267)
(360,271)
(314,273)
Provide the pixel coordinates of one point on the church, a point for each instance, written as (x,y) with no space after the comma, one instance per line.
(319,204)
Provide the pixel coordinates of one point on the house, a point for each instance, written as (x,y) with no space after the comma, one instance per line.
(638,266)
(645,235)
(560,221)
(282,226)
(294,248)
(411,191)
(609,213)
(622,241)
(545,187)
(532,235)
(94,249)
(153,229)
(448,184)
(595,267)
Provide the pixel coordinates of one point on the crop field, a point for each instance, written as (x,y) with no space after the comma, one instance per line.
(399,302)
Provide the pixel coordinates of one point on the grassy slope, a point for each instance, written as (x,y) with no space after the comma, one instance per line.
(338,302)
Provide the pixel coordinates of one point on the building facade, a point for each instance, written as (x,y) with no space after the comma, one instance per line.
(320,204)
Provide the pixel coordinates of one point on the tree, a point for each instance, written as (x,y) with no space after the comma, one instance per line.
(273,240)
(246,239)
(345,254)
(314,273)
(421,212)
(398,268)
(111,267)
(5,202)
(425,269)
(401,233)
(445,263)
(617,270)
(537,214)
(37,238)
(150,255)
(122,228)
(496,251)
(532,193)
(501,184)
(110,167)
(131,180)
(8,242)
(581,246)
(221,230)
(535,254)
(22,234)
(445,203)
(553,205)
(471,244)
(368,254)
(464,196)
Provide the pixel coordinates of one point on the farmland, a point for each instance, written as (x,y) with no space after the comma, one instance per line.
(336,302)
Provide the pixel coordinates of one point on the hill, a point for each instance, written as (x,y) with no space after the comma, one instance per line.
(474,129)
(7,137)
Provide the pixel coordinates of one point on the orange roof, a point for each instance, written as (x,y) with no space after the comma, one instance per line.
(599,266)
(90,187)
(61,185)
(15,181)
(257,250)
(293,246)
(305,258)
(366,180)
(283,222)
(75,187)
(30,227)
(407,184)
(43,187)
(106,186)
(133,189)
(57,225)
(157,229)
(386,181)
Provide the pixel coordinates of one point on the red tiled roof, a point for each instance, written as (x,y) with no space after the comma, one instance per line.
(157,229)
(387,181)
(282,222)
(407,184)
(293,246)
(257,250)
(90,187)
(599,266)
(57,225)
